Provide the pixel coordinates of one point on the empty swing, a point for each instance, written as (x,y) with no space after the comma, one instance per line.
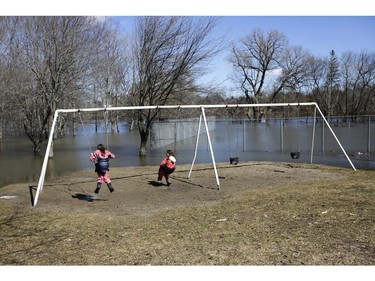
(296,154)
(233,159)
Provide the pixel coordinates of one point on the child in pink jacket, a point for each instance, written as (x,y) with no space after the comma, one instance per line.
(167,167)
(102,156)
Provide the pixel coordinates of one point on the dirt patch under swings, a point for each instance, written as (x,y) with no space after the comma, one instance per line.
(136,191)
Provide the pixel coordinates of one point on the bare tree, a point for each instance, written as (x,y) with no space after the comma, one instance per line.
(347,70)
(254,59)
(7,31)
(317,81)
(110,75)
(358,73)
(294,71)
(168,56)
(3,47)
(344,87)
(55,53)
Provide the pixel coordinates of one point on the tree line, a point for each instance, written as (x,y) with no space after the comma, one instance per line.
(55,62)
(268,70)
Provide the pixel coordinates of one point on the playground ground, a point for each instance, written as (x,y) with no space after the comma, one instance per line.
(264,214)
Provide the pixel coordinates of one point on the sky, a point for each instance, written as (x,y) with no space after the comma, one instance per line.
(317,34)
(318,26)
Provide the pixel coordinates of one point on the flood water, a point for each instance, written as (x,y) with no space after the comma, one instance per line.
(272,141)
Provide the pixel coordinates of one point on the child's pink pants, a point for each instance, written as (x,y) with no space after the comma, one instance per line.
(104,178)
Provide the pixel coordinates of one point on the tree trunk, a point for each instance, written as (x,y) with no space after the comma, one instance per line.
(254,114)
(50,130)
(37,146)
(117,123)
(74,125)
(51,151)
(1,128)
(96,122)
(144,138)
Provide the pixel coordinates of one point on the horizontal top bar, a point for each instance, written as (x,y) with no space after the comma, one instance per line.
(184,106)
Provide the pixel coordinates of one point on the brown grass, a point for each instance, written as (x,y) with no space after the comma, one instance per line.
(264,214)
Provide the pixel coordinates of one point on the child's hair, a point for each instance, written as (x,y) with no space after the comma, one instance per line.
(101,147)
(170,152)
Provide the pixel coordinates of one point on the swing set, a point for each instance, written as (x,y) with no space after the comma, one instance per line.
(233,156)
(295,154)
(202,118)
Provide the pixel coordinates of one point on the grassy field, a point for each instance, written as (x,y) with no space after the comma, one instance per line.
(317,221)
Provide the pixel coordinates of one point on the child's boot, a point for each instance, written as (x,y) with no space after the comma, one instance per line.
(98,186)
(110,187)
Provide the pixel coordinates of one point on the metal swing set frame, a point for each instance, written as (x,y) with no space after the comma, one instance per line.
(201,118)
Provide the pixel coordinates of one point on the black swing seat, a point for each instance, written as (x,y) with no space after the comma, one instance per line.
(234,160)
(295,155)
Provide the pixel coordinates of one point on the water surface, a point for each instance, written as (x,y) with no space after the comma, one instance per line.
(271,141)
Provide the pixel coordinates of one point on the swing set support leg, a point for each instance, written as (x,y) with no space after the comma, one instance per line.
(313,137)
(203,115)
(211,150)
(196,146)
(45,162)
(337,140)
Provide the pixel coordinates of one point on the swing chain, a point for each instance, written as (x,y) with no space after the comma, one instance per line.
(232,160)
(297,154)
(84,131)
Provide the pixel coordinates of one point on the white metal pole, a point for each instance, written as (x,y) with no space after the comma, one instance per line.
(369,135)
(244,136)
(282,135)
(209,143)
(322,138)
(196,145)
(329,127)
(183,106)
(106,129)
(45,162)
(313,137)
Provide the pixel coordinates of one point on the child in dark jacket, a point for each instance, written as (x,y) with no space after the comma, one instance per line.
(167,167)
(102,156)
